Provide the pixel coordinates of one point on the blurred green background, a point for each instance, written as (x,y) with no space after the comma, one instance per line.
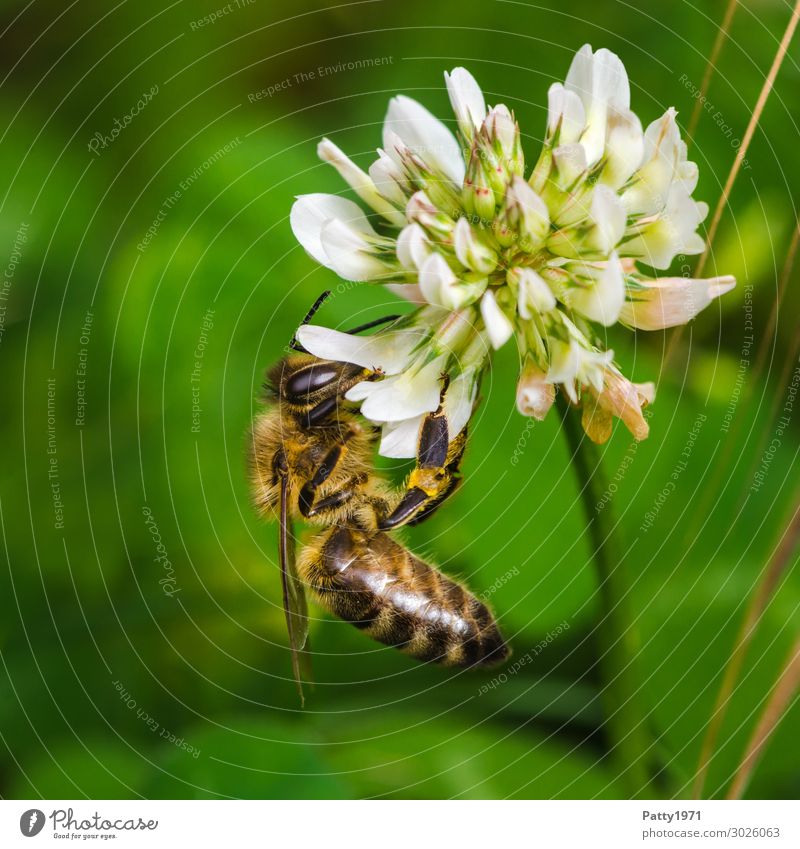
(111,686)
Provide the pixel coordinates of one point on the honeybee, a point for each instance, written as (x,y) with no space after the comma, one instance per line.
(311,458)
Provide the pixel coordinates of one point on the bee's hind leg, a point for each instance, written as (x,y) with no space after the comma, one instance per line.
(436,475)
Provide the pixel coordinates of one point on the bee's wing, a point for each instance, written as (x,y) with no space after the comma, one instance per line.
(294,598)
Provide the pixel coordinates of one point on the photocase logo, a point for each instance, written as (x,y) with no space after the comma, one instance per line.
(31,822)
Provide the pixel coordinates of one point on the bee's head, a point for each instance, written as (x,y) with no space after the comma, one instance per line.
(303,381)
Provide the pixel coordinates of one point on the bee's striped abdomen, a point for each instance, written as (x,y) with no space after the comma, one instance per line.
(375,583)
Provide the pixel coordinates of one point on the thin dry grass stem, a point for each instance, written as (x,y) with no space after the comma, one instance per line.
(741,154)
(786,273)
(785,689)
(791,360)
(732,443)
(710,67)
(759,600)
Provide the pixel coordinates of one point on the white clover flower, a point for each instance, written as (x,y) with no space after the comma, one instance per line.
(546,258)
(411,356)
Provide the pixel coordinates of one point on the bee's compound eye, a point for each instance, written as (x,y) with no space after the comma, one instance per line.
(310,379)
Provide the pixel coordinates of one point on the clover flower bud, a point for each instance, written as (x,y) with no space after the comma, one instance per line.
(535,395)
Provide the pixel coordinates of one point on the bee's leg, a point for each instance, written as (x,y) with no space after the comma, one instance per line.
(308,492)
(307,502)
(321,412)
(451,475)
(334,500)
(436,474)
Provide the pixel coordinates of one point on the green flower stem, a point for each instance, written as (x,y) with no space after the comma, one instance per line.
(616,633)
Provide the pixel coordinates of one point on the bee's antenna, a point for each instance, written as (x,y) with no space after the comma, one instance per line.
(370,324)
(294,344)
